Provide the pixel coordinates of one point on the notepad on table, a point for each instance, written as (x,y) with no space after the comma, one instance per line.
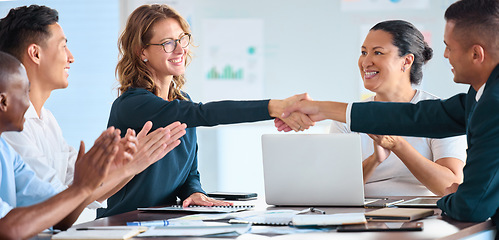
(200,209)
(398,214)
(109,232)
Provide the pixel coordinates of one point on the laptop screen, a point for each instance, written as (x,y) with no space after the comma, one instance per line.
(313,169)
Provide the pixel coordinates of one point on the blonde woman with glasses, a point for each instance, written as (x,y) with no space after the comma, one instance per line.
(154,53)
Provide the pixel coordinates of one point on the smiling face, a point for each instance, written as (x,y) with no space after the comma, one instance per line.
(379,63)
(55,59)
(458,56)
(160,63)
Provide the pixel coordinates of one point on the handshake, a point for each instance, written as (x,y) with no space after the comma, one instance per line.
(300,112)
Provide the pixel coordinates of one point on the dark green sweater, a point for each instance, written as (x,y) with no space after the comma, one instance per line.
(176,175)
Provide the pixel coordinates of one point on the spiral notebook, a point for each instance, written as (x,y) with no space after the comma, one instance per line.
(294,218)
(272,217)
(200,209)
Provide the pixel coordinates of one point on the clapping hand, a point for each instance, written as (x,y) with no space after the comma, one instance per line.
(92,168)
(388,142)
(127,147)
(155,145)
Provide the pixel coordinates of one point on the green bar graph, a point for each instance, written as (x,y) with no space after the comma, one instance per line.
(227,73)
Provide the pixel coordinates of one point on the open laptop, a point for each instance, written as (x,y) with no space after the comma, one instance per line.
(313,169)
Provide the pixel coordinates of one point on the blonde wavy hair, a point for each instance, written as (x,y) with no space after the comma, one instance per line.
(131,71)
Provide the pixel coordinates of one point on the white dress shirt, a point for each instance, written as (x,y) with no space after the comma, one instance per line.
(480,92)
(43,148)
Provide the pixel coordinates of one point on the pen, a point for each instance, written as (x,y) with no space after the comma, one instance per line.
(100,228)
(164,223)
(154,223)
(312,209)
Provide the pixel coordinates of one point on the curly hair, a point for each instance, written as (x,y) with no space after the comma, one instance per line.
(24,26)
(131,70)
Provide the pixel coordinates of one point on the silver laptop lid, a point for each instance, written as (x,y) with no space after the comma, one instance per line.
(313,169)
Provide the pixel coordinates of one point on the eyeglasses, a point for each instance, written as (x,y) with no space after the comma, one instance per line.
(171,44)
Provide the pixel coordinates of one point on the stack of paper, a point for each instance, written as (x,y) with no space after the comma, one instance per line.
(329,219)
(197,229)
(110,232)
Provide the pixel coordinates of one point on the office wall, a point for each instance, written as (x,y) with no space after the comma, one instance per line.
(313,46)
(305,46)
(92,28)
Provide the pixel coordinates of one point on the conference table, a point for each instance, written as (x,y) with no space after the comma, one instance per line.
(435,226)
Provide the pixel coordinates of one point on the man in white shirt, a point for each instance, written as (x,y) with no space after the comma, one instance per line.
(41,143)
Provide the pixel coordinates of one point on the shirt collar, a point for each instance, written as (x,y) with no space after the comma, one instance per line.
(31,112)
(479,92)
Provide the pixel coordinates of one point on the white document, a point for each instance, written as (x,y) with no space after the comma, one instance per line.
(204,229)
(329,219)
(203,216)
(271,217)
(107,232)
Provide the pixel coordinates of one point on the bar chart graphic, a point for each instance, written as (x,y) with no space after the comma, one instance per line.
(233,59)
(227,73)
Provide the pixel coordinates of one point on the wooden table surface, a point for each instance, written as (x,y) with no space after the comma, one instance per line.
(435,227)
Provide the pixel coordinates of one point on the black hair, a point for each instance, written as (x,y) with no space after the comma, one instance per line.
(476,21)
(24,26)
(9,65)
(409,40)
